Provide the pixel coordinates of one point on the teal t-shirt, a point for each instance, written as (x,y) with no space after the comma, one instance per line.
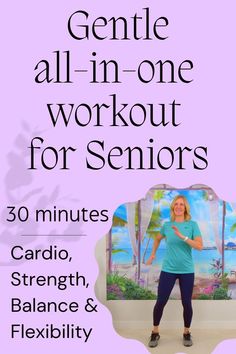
(178,256)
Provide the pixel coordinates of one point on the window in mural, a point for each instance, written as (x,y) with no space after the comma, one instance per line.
(129,245)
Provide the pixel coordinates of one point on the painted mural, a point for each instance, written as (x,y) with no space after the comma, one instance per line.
(129,244)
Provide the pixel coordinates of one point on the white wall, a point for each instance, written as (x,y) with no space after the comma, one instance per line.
(138,313)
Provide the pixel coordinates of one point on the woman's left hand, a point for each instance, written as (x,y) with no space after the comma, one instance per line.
(177,232)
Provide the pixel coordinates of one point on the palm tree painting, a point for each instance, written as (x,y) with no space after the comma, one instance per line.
(118,221)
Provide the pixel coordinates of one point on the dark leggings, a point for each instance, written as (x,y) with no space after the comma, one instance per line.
(166,284)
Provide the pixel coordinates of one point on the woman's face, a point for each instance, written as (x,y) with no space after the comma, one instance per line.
(179,207)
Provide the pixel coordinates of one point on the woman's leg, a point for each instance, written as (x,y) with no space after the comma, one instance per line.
(166,284)
(186,282)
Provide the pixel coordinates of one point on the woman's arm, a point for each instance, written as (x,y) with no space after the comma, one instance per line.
(155,246)
(196,243)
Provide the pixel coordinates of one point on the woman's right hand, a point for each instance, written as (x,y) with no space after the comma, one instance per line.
(150,260)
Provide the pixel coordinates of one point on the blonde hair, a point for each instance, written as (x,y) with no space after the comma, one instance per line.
(187,215)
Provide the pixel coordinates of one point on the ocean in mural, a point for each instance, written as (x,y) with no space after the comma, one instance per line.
(129,245)
(202,260)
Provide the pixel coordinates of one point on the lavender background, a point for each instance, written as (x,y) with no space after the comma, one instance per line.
(202,32)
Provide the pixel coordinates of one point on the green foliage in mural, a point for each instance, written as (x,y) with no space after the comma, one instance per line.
(114,250)
(153,229)
(155,222)
(220,294)
(233,227)
(118,221)
(225,281)
(204,297)
(122,288)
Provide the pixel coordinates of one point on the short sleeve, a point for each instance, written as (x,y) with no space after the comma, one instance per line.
(162,231)
(196,230)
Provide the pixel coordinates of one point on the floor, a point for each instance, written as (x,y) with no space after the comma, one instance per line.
(204,341)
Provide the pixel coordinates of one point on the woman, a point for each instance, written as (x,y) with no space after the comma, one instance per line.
(181,235)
